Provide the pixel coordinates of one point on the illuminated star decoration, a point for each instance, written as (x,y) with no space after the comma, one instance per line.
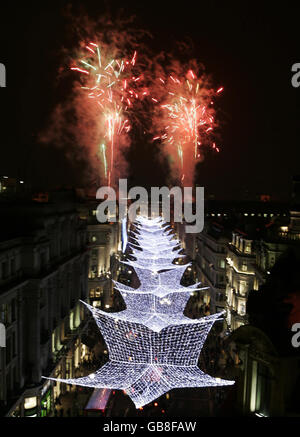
(152,346)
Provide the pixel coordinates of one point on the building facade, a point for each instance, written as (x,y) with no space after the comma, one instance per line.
(211,246)
(43,274)
(267,381)
(240,277)
(105,249)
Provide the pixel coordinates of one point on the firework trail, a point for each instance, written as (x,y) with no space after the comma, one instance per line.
(112,86)
(185,116)
(102,97)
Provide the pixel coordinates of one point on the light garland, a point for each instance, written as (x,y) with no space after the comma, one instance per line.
(152,346)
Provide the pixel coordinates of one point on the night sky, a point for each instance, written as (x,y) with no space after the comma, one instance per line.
(248,47)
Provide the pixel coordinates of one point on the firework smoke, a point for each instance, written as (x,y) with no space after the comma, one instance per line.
(112,87)
(117,86)
(184,118)
(105,99)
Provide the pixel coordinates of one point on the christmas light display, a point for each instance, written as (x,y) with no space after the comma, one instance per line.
(152,346)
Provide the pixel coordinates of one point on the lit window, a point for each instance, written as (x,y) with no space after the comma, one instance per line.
(242,309)
(30,403)
(247,247)
(243,287)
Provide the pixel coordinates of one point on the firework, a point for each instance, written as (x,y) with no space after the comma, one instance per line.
(111,85)
(186,118)
(102,156)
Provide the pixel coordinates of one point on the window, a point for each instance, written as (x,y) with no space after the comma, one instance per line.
(8,350)
(241,247)
(13,310)
(42,259)
(244,267)
(14,377)
(237,241)
(221,279)
(262,398)
(248,247)
(243,287)
(4,269)
(94,270)
(14,349)
(4,313)
(42,297)
(222,264)
(98,292)
(242,309)
(68,372)
(30,403)
(12,266)
(220,297)
(94,253)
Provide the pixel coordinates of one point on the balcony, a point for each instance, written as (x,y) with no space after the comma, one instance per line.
(13,280)
(239,253)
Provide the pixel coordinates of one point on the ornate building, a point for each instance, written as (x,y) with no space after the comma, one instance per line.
(104,245)
(240,277)
(211,246)
(43,274)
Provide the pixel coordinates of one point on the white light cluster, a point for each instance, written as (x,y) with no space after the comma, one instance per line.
(152,346)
